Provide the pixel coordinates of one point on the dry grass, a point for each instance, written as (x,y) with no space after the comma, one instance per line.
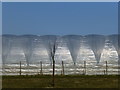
(67,81)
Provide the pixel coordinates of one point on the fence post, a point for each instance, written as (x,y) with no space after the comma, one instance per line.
(41,68)
(20,67)
(106,68)
(84,67)
(104,72)
(63,68)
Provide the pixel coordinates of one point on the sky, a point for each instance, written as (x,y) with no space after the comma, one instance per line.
(0,18)
(59,18)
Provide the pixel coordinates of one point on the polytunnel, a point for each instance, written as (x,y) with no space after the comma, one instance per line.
(115,40)
(6,47)
(1,55)
(73,44)
(50,43)
(28,41)
(96,43)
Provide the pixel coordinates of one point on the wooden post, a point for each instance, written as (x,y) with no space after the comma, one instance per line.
(106,68)
(20,67)
(61,72)
(62,68)
(85,67)
(104,72)
(41,67)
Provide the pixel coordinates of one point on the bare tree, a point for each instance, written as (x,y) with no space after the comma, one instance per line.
(53,55)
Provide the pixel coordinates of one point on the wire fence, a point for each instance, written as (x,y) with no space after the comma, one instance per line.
(62,68)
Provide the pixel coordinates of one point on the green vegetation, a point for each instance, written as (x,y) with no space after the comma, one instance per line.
(66,81)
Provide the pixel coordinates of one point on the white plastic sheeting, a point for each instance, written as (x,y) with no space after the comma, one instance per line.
(27,45)
(73,44)
(96,43)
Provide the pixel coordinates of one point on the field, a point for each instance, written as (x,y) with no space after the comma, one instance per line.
(66,81)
